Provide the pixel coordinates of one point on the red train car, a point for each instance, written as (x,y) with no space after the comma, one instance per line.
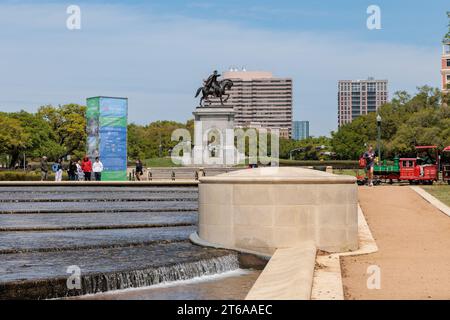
(445,163)
(415,172)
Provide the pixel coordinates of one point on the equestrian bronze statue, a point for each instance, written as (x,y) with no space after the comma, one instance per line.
(214,88)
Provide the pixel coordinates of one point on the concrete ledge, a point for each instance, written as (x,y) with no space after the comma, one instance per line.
(432,200)
(194,238)
(327,283)
(272,208)
(283,175)
(287,276)
(100,183)
(279,180)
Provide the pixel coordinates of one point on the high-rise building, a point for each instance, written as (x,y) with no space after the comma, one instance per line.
(356,98)
(445,68)
(300,130)
(261,100)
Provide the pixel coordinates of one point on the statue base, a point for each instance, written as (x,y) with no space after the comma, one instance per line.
(214,136)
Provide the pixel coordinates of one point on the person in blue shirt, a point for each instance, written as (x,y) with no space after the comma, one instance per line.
(369,156)
(57,168)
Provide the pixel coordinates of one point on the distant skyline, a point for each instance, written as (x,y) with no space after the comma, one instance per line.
(156,53)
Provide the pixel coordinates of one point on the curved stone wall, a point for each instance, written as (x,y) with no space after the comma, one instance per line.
(266,209)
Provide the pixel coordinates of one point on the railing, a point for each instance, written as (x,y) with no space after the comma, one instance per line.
(177,174)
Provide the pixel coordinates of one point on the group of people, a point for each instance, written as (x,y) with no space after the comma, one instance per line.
(80,170)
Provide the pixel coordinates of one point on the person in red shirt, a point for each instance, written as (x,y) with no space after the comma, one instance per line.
(86,166)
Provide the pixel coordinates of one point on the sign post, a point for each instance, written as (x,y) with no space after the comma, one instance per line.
(106,119)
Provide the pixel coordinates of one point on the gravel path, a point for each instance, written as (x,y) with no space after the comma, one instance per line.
(413,239)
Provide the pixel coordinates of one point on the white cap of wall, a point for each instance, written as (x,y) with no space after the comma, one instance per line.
(280,175)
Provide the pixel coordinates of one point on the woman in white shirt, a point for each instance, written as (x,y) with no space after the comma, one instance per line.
(97,168)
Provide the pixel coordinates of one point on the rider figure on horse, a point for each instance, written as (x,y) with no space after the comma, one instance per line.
(214,88)
(212,83)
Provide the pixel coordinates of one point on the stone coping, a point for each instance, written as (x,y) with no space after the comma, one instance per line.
(327,281)
(200,109)
(165,182)
(279,175)
(287,276)
(194,238)
(280,180)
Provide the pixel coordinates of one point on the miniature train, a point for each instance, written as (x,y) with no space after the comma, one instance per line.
(414,170)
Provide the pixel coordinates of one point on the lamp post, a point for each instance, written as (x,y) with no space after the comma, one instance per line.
(379,137)
(160,146)
(295,150)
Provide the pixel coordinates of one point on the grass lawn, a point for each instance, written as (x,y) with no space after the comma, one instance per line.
(159,162)
(349,172)
(441,192)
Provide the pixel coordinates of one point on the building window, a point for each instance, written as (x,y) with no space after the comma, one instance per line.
(448,62)
(447,49)
(371,87)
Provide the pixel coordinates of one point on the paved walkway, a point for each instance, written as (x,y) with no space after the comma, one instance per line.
(413,238)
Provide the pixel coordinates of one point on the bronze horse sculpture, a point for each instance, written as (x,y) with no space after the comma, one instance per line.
(217,91)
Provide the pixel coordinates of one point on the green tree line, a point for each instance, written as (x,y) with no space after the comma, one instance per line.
(407,121)
(52,131)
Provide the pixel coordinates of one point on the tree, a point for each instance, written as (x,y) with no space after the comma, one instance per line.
(312,148)
(13,137)
(407,121)
(144,141)
(68,125)
(136,147)
(40,134)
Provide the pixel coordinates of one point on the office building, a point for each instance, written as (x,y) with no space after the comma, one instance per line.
(445,68)
(300,130)
(261,100)
(356,98)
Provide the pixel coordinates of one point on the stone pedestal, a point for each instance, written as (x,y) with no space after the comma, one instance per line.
(214,136)
(266,209)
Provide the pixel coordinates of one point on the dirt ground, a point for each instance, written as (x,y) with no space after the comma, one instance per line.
(413,239)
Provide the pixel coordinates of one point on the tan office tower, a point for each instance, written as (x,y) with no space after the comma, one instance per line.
(260,100)
(445,68)
(356,98)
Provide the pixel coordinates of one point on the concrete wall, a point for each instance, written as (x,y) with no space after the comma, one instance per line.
(269,213)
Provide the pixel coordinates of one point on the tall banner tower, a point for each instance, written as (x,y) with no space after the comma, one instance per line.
(106,120)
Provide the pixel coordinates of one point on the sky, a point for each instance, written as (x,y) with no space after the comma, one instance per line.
(156,53)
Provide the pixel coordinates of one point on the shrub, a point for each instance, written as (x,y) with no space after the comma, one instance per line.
(337,164)
(18,175)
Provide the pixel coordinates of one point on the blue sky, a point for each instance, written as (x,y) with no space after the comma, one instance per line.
(156,52)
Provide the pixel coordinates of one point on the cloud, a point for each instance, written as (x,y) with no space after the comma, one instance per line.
(158,61)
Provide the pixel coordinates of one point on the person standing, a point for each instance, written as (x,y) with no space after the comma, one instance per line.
(44,168)
(80,173)
(86,165)
(72,170)
(57,167)
(369,156)
(139,170)
(97,168)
